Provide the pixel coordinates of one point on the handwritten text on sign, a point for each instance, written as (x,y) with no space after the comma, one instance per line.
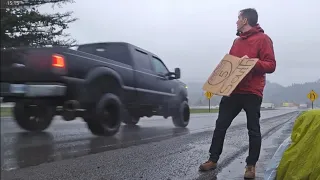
(228,74)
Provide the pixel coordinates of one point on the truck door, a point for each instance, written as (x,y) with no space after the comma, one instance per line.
(145,78)
(164,85)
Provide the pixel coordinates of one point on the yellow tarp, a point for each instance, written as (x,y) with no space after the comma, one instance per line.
(301,161)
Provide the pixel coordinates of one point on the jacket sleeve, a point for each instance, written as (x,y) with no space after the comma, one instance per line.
(234,41)
(266,62)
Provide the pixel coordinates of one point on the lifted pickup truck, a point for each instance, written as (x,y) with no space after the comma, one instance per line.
(104,83)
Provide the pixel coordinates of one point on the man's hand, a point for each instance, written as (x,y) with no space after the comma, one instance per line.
(243,57)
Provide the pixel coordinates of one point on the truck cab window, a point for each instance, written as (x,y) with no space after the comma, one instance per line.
(113,51)
(142,61)
(159,67)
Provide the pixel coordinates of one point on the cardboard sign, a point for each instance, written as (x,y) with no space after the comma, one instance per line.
(228,74)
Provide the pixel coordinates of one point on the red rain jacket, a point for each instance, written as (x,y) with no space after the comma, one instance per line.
(255,44)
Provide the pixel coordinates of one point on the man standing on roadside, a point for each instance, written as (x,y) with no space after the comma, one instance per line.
(251,43)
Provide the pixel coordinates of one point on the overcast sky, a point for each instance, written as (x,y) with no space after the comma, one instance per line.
(196,35)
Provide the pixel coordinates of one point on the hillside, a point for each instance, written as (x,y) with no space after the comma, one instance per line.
(275,93)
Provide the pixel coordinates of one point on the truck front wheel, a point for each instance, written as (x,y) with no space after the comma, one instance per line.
(105,118)
(182,115)
(34,118)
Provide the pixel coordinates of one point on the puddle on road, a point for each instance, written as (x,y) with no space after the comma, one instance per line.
(31,149)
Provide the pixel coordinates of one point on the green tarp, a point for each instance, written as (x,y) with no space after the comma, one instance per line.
(301,161)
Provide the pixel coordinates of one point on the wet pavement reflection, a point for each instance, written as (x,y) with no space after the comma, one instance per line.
(65,140)
(30,149)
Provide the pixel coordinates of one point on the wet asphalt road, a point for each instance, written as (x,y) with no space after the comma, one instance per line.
(152,150)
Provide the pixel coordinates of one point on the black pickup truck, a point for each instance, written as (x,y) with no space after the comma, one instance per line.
(104,83)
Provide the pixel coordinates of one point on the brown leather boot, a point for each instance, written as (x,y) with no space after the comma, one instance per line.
(250,172)
(209,165)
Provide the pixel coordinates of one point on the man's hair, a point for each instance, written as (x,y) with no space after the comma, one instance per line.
(251,14)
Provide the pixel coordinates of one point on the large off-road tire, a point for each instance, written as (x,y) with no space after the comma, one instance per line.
(105,118)
(182,115)
(33,118)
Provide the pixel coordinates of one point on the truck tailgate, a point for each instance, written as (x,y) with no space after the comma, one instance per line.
(27,65)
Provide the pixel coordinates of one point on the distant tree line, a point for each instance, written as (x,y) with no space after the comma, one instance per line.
(23,25)
(273,93)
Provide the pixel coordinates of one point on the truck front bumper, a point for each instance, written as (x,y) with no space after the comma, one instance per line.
(32,90)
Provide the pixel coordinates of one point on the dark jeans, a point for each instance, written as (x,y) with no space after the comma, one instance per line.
(229,108)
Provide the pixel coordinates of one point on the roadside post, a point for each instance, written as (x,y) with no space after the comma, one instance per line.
(209,96)
(312,96)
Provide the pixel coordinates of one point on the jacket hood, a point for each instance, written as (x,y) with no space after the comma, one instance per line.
(254,30)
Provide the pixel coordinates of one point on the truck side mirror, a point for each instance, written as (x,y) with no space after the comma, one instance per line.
(177,72)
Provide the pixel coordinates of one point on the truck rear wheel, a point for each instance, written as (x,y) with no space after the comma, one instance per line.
(105,119)
(34,118)
(182,115)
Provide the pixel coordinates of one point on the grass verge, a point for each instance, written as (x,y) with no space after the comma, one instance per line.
(6,111)
(197,111)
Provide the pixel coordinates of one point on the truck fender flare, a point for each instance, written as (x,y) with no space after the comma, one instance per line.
(181,95)
(181,92)
(103,71)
